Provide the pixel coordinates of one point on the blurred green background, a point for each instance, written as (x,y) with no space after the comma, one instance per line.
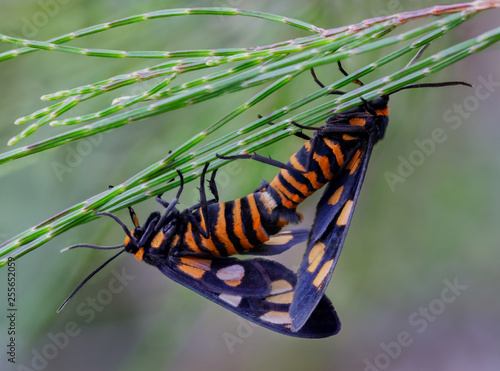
(406,245)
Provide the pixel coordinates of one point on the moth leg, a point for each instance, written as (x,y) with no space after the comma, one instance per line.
(169,206)
(213,186)
(204,205)
(299,134)
(259,158)
(344,128)
(316,80)
(314,144)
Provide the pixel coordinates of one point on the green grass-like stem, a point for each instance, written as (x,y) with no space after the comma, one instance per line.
(270,67)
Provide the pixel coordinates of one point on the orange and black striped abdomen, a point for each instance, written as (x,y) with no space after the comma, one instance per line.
(235,226)
(330,153)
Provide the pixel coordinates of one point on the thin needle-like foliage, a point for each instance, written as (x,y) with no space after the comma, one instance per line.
(226,70)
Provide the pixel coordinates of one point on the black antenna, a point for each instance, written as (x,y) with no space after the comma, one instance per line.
(97,247)
(87,278)
(413,86)
(432,85)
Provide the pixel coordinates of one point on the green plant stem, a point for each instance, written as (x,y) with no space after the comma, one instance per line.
(276,65)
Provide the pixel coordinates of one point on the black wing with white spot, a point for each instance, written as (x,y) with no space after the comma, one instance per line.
(234,284)
(333,217)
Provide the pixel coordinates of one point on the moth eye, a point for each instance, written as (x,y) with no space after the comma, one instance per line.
(379,102)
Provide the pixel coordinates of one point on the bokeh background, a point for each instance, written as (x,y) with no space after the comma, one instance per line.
(407,243)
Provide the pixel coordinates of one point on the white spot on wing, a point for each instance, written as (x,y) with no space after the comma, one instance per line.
(285,298)
(280,286)
(231,273)
(231,299)
(278,318)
